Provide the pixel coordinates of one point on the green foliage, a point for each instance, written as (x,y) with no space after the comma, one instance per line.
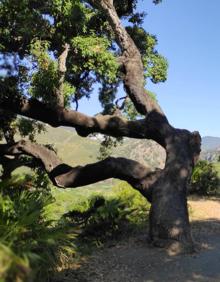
(71,18)
(217,167)
(31,246)
(45,81)
(125,7)
(129,110)
(156,68)
(133,201)
(107,145)
(107,217)
(29,128)
(20,21)
(204,179)
(95,57)
(32,36)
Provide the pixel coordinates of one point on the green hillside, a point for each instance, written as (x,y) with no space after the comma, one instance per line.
(70,147)
(76,150)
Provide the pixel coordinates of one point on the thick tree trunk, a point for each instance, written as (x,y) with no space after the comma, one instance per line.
(169,218)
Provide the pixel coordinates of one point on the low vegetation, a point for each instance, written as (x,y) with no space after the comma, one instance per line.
(33,243)
(43,228)
(31,246)
(205,179)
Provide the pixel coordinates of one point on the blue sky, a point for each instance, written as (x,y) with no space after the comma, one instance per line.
(189,37)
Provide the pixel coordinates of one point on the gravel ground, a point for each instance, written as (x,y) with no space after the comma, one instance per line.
(133,260)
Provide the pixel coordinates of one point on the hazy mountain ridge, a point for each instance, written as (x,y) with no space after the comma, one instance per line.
(210,143)
(76,150)
(210,148)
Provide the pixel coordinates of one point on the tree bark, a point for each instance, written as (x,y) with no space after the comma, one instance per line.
(169,219)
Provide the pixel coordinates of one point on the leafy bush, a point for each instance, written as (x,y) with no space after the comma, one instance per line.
(107,217)
(30,245)
(204,179)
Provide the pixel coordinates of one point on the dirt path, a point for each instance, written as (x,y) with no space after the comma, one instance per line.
(135,261)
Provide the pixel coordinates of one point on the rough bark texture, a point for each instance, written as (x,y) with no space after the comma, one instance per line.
(59,97)
(165,189)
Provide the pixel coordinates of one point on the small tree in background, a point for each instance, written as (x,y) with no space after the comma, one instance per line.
(205,179)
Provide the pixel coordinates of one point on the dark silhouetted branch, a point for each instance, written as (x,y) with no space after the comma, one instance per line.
(62,175)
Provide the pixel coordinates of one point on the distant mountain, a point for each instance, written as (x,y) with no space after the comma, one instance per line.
(210,143)
(76,150)
(210,148)
(147,152)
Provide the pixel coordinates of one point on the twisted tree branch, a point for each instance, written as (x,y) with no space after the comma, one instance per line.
(131,60)
(62,175)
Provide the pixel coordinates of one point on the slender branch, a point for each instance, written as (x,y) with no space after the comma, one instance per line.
(61,71)
(124,98)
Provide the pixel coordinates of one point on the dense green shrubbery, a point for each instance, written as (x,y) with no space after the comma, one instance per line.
(107,217)
(30,245)
(204,179)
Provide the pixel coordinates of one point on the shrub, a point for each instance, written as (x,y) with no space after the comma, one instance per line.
(30,245)
(204,179)
(107,217)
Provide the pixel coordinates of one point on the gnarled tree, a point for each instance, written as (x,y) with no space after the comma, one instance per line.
(52,52)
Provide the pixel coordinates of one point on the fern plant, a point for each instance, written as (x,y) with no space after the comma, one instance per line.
(30,245)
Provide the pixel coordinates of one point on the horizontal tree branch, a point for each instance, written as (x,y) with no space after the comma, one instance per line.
(154,126)
(62,175)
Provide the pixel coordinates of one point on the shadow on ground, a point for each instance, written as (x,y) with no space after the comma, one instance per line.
(133,260)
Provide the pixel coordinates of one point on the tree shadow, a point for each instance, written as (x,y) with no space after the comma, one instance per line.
(134,260)
(195,197)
